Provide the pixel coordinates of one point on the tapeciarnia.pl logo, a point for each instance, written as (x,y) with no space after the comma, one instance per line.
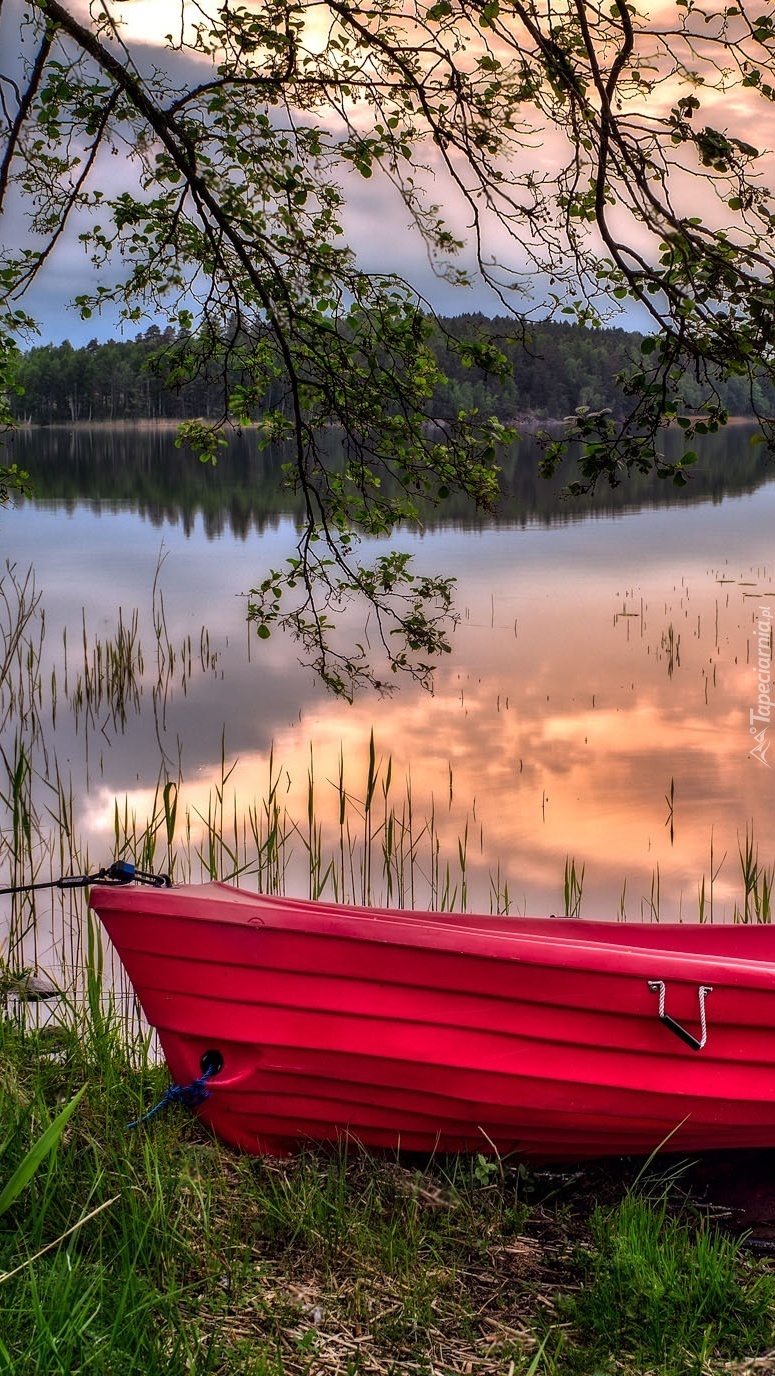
(760,716)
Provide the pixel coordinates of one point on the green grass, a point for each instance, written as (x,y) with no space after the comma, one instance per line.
(158,1252)
(667,1292)
(205,1261)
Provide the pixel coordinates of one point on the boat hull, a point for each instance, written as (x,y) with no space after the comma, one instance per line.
(427,1032)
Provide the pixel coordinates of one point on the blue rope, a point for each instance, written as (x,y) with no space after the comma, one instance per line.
(120,872)
(190,1095)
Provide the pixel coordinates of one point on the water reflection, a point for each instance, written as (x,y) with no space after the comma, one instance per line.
(140,469)
(600,687)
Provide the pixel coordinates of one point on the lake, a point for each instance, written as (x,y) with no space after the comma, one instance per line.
(598,739)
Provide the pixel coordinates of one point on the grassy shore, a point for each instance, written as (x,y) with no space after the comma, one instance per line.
(156,1250)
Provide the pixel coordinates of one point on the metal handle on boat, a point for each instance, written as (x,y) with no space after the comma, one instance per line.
(657,986)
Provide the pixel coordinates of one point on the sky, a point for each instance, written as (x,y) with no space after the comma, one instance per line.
(376,228)
(376,223)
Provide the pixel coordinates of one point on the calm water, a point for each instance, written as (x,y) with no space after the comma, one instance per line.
(604,664)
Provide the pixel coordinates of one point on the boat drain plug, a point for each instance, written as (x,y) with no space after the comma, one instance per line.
(211,1063)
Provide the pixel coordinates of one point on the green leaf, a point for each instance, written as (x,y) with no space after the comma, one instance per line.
(27,1168)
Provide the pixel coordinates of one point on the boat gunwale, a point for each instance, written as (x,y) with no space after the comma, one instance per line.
(410,931)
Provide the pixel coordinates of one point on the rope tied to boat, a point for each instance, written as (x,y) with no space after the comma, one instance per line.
(120,872)
(191,1096)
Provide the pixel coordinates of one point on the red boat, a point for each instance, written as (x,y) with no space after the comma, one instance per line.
(554,1038)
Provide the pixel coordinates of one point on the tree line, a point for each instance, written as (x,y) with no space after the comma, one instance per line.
(553,369)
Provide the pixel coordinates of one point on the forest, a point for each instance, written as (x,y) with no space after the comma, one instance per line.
(553,369)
